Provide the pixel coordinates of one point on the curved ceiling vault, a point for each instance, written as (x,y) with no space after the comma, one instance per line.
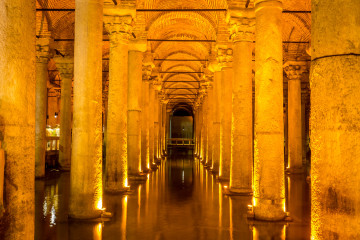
(180,63)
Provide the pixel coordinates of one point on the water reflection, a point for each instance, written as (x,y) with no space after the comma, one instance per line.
(181,200)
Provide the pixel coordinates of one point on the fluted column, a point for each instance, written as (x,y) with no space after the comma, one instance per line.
(134,107)
(17,115)
(42,59)
(242,34)
(335,121)
(269,189)
(65,66)
(293,71)
(119,26)
(216,122)
(86,155)
(225,58)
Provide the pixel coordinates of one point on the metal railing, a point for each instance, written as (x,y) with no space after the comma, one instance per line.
(52,143)
(180,142)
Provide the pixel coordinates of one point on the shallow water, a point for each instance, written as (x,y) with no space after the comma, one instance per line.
(181,200)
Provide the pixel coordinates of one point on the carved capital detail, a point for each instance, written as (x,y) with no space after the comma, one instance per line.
(65,66)
(224,56)
(294,70)
(119,28)
(242,29)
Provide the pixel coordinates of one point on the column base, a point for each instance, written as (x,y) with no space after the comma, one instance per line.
(142,177)
(239,192)
(214,171)
(295,170)
(146,170)
(122,190)
(269,210)
(223,179)
(153,166)
(103,217)
(208,165)
(93,216)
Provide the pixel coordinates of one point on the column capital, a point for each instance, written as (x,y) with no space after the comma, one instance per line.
(294,70)
(65,66)
(268,3)
(119,23)
(224,56)
(241,24)
(43,50)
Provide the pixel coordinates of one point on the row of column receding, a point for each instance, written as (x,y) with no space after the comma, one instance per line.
(134,134)
(227,117)
(334,84)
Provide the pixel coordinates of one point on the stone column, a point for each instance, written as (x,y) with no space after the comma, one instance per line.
(164,120)
(65,66)
(145,155)
(86,154)
(42,59)
(225,127)
(209,119)
(216,122)
(17,115)
(242,26)
(335,132)
(200,124)
(134,107)
(156,126)
(269,187)
(119,25)
(294,70)
(151,123)
(196,128)
(204,132)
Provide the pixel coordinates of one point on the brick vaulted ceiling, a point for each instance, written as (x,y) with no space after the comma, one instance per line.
(177,25)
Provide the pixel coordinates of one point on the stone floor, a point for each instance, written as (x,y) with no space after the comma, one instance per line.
(181,201)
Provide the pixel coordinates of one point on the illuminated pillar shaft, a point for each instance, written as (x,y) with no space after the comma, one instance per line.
(163,127)
(210,116)
(335,132)
(269,189)
(216,121)
(17,115)
(151,122)
(225,127)
(66,68)
(156,126)
(293,72)
(134,111)
(242,116)
(198,130)
(86,155)
(145,157)
(42,59)
(117,122)
(204,130)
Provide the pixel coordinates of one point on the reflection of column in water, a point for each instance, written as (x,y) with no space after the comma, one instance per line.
(98,231)
(62,213)
(39,200)
(139,205)
(269,230)
(239,228)
(123,218)
(298,202)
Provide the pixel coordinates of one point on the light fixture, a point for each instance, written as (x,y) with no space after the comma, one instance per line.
(56,114)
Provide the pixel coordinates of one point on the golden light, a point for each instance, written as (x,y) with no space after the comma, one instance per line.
(98,231)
